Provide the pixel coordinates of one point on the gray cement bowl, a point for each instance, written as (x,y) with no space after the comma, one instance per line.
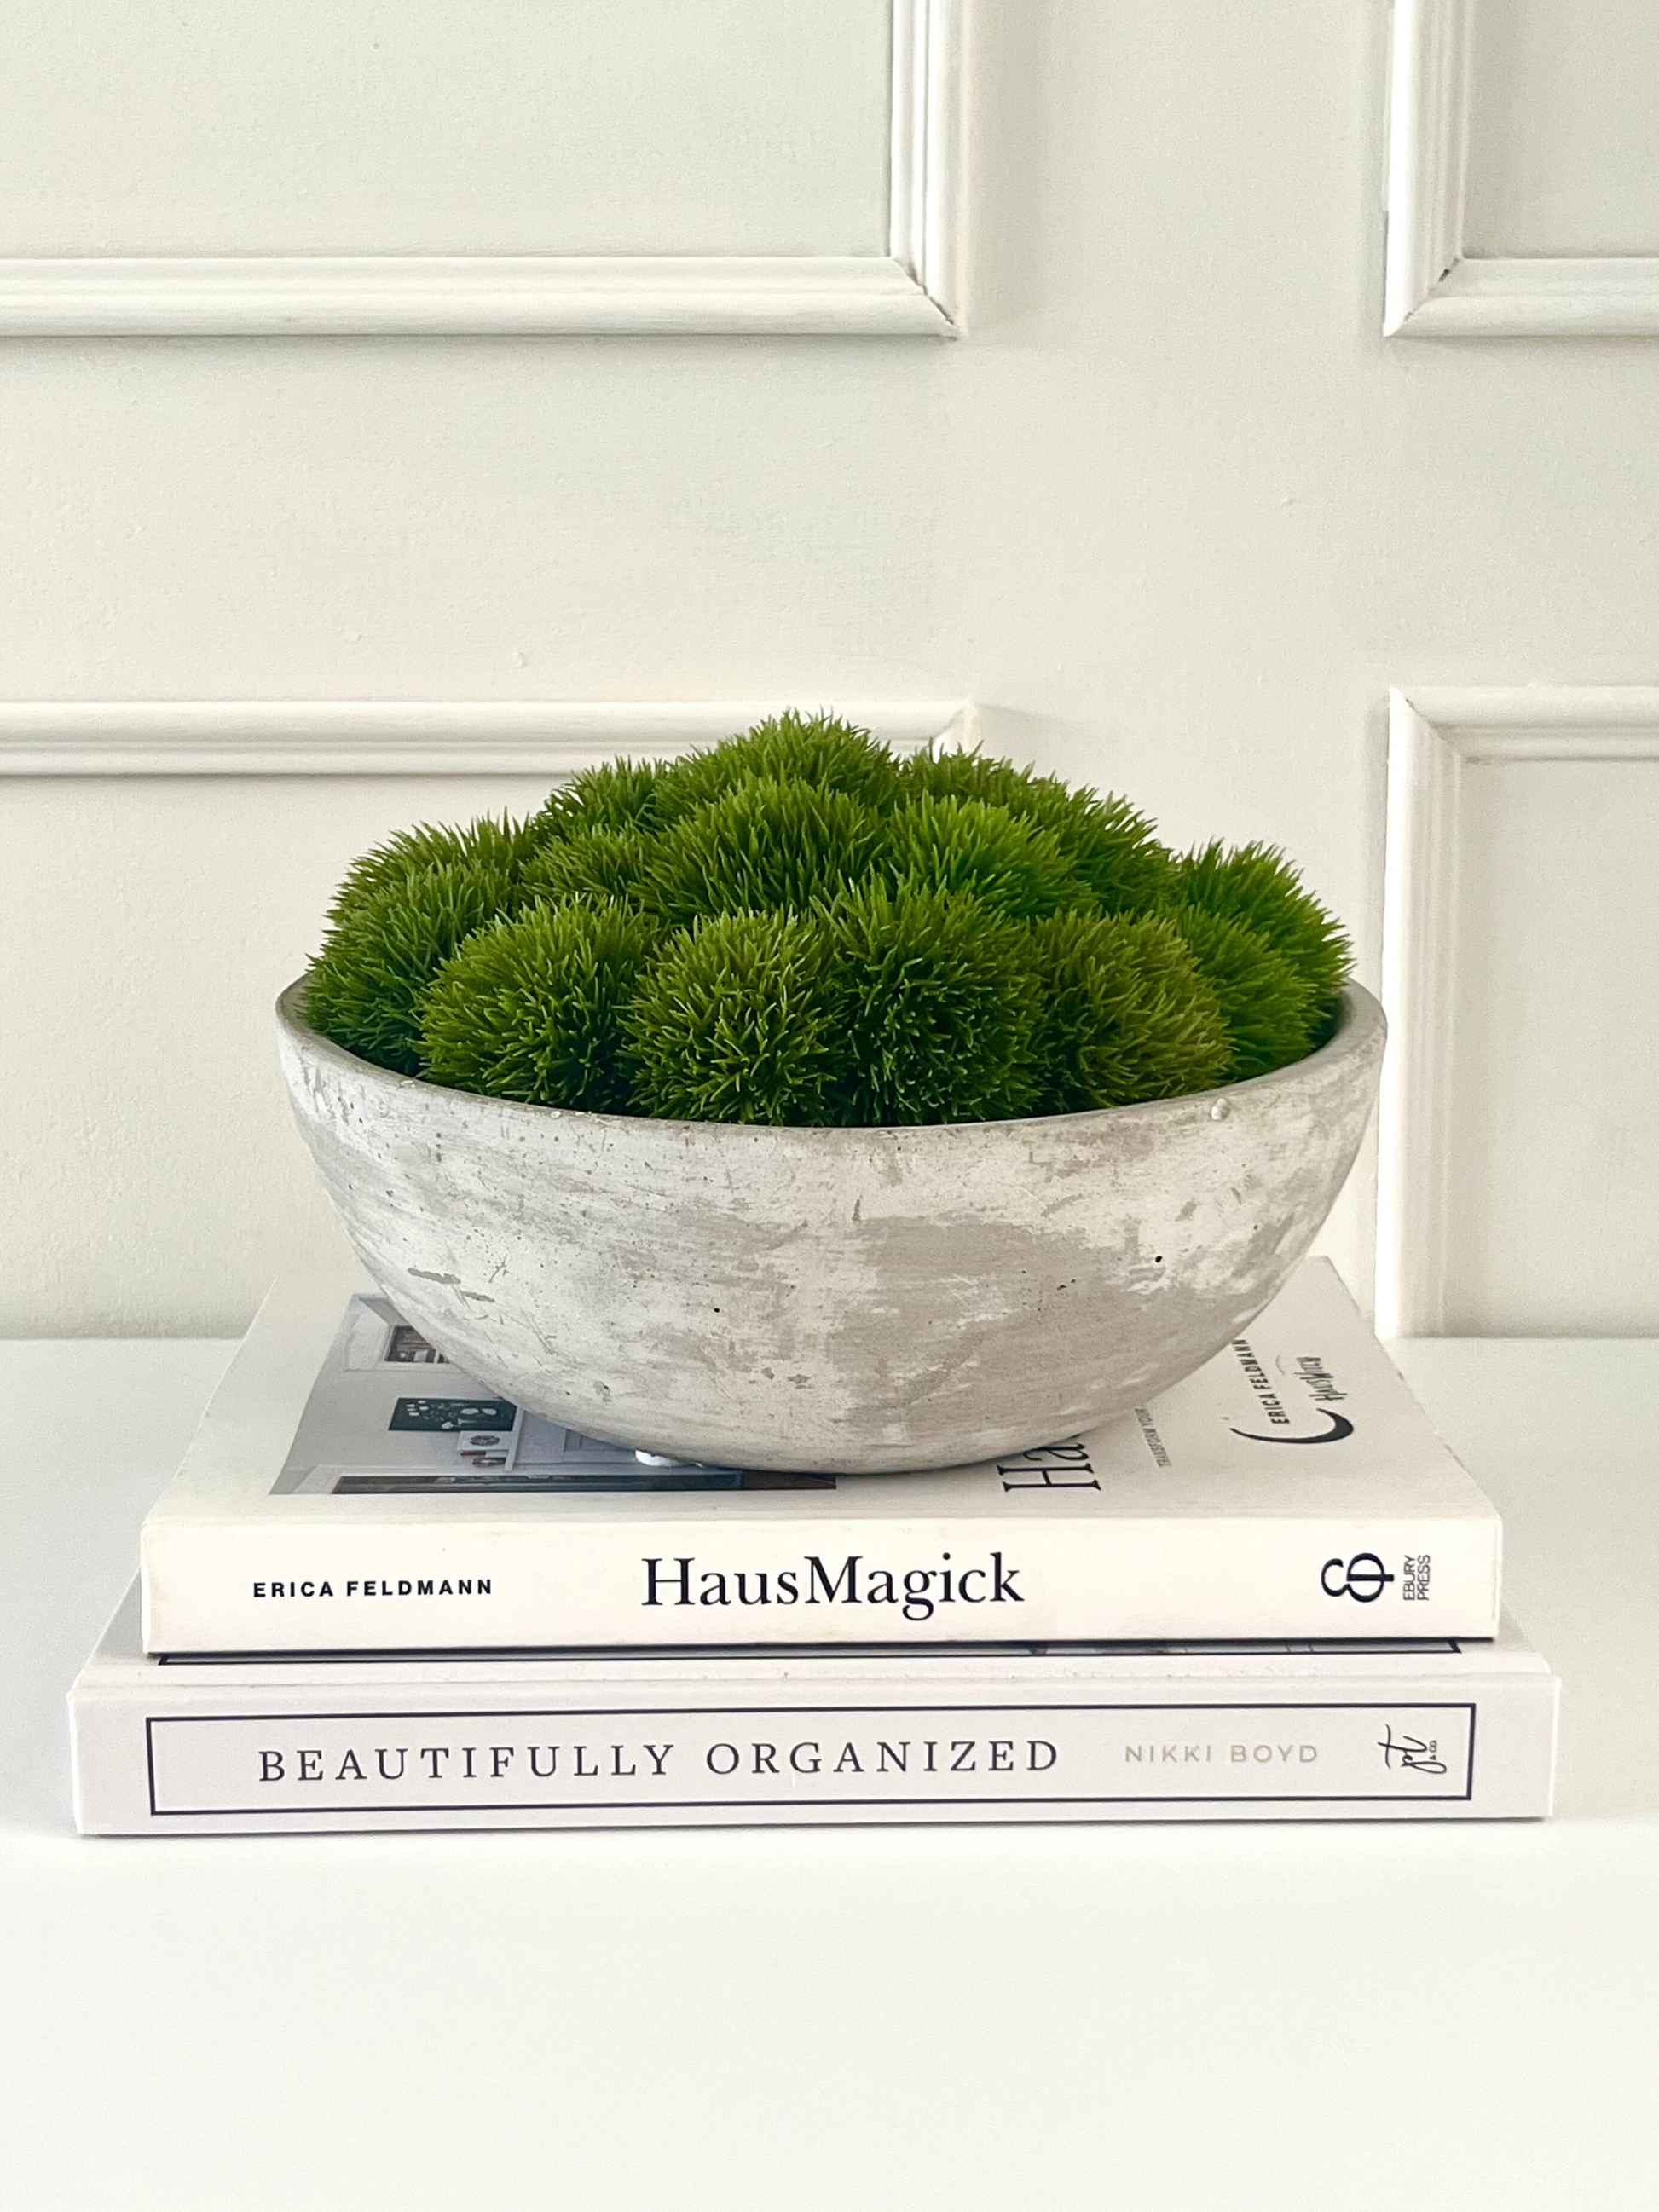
(848,1300)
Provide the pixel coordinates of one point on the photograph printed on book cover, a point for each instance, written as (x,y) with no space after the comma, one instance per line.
(366,1433)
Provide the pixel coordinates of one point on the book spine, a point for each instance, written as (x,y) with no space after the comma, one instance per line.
(196,1762)
(404,1586)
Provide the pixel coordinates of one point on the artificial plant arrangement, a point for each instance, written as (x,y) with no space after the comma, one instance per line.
(796,927)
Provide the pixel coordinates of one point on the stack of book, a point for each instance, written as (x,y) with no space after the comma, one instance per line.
(377,1595)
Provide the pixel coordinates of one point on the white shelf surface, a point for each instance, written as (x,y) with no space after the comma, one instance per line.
(1338,2017)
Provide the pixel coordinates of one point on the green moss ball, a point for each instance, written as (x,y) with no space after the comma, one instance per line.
(1257,887)
(934,1006)
(593,864)
(820,750)
(1013,866)
(1108,843)
(531,1008)
(493,849)
(766,845)
(619,794)
(1127,1013)
(367,988)
(731,1022)
(1269,1010)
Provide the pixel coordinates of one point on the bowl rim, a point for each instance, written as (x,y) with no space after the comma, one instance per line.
(1361,1023)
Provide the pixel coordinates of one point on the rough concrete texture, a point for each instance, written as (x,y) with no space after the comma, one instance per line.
(853,1300)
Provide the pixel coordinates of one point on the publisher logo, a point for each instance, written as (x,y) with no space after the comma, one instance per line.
(1413,1754)
(1363,1578)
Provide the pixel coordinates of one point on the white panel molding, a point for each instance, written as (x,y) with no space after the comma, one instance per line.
(913,291)
(396,737)
(1432,288)
(1436,735)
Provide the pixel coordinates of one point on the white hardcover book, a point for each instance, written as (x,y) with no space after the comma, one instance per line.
(1420,1729)
(350,1491)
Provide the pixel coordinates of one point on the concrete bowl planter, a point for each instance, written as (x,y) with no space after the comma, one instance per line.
(850,1300)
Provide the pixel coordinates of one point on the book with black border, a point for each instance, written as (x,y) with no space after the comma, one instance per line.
(1424,1728)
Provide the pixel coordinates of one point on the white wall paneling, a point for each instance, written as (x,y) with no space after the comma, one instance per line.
(403,737)
(1519,1120)
(904,285)
(164,871)
(1434,287)
(1176,516)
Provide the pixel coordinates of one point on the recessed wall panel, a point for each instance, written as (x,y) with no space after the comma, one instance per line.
(428,127)
(1553,1188)
(154,1182)
(1563,128)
